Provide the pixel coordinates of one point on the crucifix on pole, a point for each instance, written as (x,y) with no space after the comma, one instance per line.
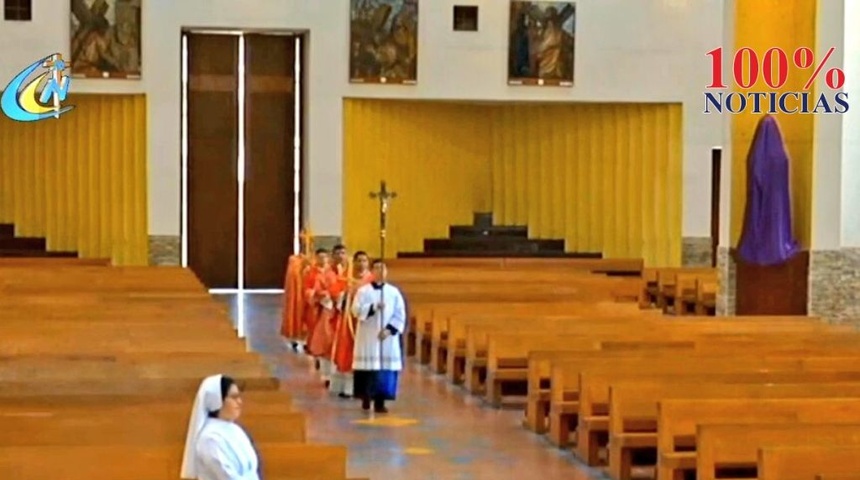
(384,196)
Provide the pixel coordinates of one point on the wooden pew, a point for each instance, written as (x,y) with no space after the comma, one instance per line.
(122,462)
(510,355)
(448,325)
(422,301)
(257,401)
(686,289)
(564,401)
(468,336)
(680,422)
(417,278)
(507,354)
(42,262)
(805,462)
(706,296)
(629,266)
(737,445)
(677,285)
(506,360)
(512,343)
(633,403)
(790,329)
(113,280)
(129,344)
(138,427)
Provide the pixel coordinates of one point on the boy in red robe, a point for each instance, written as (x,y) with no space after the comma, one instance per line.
(319,308)
(344,341)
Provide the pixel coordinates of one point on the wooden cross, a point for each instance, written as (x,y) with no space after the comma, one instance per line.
(384,196)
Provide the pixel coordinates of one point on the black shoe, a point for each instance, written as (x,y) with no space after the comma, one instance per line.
(365,405)
(343,395)
(379,407)
(327,383)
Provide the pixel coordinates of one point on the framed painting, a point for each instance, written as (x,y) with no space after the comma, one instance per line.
(541,43)
(383,37)
(105,38)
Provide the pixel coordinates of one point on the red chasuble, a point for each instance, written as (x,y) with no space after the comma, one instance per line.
(320,285)
(294,303)
(344,342)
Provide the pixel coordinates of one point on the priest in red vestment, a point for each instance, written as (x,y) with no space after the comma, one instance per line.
(294,303)
(344,341)
(319,307)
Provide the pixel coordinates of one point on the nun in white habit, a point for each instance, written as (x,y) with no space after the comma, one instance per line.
(217,448)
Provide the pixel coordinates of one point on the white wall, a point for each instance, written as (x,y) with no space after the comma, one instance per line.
(627,50)
(850,227)
(827,201)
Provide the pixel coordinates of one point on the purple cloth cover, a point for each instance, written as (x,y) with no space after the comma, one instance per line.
(767,238)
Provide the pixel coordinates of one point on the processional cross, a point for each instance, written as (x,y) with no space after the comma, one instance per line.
(307,242)
(384,196)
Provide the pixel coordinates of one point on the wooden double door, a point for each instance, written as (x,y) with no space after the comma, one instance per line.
(242,156)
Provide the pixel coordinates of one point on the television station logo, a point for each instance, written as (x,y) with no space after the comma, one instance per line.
(772,68)
(25,102)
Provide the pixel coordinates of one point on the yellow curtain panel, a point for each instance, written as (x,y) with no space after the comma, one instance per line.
(758,28)
(604,177)
(433,154)
(80,181)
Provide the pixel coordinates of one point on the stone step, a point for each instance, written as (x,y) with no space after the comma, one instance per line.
(22,243)
(511,231)
(500,244)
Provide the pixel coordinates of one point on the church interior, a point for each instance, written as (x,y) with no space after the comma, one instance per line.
(448,239)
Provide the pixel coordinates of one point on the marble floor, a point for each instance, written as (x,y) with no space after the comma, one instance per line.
(433,431)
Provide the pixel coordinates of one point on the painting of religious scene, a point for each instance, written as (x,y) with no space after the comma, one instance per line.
(383,41)
(105,38)
(541,43)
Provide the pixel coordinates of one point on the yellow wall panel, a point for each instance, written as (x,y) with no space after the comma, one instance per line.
(432,154)
(605,177)
(758,27)
(80,181)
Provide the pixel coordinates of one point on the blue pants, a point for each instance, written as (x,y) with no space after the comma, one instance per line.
(375,384)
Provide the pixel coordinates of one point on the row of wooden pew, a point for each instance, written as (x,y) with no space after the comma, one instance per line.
(99,370)
(681,291)
(600,368)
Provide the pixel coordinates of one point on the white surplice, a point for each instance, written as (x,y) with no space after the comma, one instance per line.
(224,452)
(369,352)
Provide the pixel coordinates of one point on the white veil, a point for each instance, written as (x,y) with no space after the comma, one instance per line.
(208,400)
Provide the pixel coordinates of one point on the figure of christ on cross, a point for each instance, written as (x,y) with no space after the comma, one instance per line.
(384,196)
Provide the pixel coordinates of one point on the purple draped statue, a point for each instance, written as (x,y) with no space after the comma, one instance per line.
(767,238)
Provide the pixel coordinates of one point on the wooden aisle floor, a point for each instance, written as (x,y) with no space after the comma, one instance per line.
(434,431)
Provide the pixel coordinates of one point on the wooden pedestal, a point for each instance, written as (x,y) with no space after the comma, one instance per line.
(772,290)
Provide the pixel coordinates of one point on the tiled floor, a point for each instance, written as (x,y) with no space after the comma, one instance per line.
(434,431)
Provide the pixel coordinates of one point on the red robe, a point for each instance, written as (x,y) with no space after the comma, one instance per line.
(320,284)
(294,301)
(344,341)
